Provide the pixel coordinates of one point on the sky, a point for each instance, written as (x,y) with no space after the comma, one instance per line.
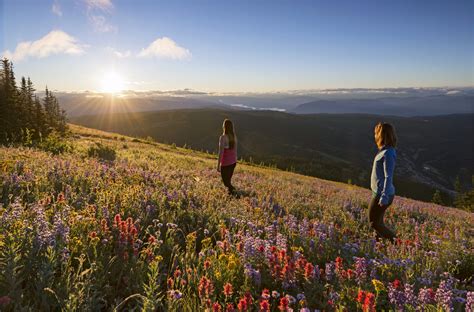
(238,46)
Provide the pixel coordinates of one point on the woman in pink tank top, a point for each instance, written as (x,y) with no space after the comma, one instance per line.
(227,154)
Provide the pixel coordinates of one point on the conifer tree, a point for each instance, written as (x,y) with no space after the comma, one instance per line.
(22,115)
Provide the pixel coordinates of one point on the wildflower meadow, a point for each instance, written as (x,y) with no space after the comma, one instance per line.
(153,229)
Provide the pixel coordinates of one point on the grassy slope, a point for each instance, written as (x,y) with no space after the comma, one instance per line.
(145,172)
(337,147)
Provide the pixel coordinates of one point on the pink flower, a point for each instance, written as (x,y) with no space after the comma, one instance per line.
(5,300)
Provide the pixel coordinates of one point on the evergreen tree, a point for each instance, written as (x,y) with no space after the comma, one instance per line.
(22,115)
(10,126)
(437,198)
(39,116)
(458,189)
(49,111)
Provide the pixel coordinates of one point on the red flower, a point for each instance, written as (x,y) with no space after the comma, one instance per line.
(264,306)
(369,303)
(361,297)
(216,307)
(117,220)
(309,270)
(177,273)
(282,255)
(397,284)
(207,264)
(205,287)
(339,265)
(284,302)
(152,239)
(248,298)
(93,234)
(170,282)
(229,308)
(343,274)
(228,289)
(266,294)
(133,231)
(242,305)
(350,273)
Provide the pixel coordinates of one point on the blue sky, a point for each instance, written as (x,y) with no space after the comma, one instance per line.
(239,46)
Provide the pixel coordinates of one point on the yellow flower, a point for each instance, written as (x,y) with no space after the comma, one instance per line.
(379,286)
(218,275)
(295,248)
(206,242)
(231,265)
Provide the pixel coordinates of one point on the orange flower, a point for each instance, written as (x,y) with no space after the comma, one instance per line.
(228,289)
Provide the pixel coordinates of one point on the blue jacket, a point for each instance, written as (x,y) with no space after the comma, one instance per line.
(381,181)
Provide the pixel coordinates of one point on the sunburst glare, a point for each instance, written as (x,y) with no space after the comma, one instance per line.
(112,82)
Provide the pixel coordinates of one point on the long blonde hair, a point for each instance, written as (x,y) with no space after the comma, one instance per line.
(385,135)
(228,129)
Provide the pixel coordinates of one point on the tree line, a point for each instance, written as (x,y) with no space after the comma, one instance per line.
(23,115)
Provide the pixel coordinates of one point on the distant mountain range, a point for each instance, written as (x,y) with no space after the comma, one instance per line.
(407,106)
(432,152)
(396,102)
(96,104)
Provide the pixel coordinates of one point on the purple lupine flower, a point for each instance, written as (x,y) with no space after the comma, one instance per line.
(60,224)
(105,213)
(470,301)
(334,296)
(426,296)
(253,274)
(13,215)
(329,271)
(395,295)
(317,272)
(44,235)
(444,295)
(175,294)
(410,295)
(65,254)
(360,269)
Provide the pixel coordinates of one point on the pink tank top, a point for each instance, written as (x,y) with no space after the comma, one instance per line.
(229,157)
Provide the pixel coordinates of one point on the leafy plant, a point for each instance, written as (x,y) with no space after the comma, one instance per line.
(101,151)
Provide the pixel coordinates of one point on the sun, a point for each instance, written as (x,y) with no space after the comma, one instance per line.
(112,82)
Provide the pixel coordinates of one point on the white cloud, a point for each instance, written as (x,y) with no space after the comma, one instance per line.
(166,48)
(100,24)
(453,92)
(104,5)
(120,54)
(56,42)
(56,9)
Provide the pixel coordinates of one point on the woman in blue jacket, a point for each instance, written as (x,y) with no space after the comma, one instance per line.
(381,182)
